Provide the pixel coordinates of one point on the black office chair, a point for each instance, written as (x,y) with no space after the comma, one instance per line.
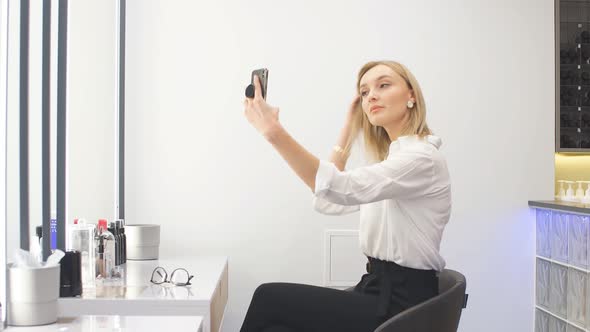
(438,314)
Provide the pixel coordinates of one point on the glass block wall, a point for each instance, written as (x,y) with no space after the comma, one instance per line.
(562,272)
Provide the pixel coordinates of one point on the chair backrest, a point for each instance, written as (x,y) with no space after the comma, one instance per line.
(440,313)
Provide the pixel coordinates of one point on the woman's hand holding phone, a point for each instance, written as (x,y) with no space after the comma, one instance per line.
(262,116)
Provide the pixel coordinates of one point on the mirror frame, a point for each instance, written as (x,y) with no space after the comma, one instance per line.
(120,174)
(61,198)
(61,131)
(62,52)
(3,149)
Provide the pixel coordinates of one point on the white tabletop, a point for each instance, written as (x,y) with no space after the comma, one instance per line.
(134,293)
(117,323)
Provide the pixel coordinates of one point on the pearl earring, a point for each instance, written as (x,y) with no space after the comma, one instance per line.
(410,104)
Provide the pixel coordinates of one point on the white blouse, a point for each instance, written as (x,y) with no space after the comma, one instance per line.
(404,201)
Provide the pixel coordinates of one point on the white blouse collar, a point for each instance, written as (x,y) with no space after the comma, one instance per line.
(432,139)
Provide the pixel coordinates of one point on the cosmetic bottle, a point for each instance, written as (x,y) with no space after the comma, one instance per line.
(82,238)
(105,252)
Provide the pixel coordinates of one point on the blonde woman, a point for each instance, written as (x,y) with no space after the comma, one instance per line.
(404,200)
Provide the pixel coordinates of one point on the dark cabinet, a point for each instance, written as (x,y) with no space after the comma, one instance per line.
(572,123)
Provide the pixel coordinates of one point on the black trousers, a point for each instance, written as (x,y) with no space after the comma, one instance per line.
(386,290)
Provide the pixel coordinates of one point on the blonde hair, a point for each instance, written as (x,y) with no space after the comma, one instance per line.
(376,138)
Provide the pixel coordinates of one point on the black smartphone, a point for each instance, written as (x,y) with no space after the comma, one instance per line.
(262,74)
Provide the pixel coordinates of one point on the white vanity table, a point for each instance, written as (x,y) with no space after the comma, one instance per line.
(135,295)
(117,323)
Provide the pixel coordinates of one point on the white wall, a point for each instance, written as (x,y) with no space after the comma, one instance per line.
(196,166)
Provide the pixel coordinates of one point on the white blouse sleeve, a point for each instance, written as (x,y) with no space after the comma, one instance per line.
(406,175)
(323,206)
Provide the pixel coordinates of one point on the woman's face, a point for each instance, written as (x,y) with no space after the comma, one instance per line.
(384,96)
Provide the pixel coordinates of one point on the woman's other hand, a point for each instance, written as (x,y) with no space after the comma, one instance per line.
(353,109)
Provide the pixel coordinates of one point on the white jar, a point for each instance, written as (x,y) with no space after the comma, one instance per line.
(143,241)
(32,295)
